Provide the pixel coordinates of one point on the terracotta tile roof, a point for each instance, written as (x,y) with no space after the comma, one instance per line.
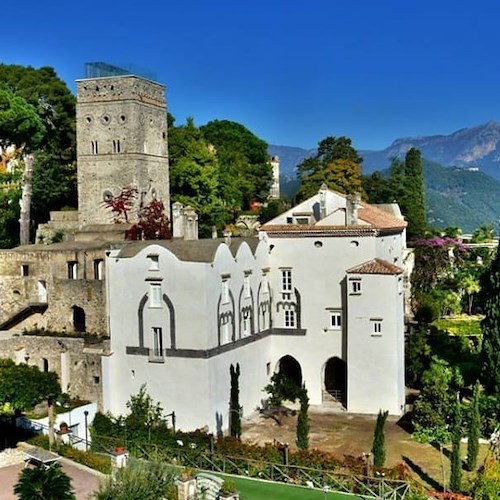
(376,266)
(370,216)
(378,218)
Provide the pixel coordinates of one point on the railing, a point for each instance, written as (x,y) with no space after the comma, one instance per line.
(372,487)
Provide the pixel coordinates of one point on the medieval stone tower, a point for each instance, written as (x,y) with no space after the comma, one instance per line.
(121,124)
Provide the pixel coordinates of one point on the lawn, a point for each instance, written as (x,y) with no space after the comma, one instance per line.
(252,489)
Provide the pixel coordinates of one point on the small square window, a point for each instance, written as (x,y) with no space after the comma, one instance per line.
(355,286)
(154,262)
(376,328)
(25,270)
(335,320)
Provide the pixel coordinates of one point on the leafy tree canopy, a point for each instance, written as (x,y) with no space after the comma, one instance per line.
(195,174)
(20,125)
(245,174)
(336,163)
(52,100)
(24,386)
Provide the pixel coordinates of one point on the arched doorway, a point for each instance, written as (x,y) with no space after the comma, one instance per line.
(79,323)
(335,383)
(290,368)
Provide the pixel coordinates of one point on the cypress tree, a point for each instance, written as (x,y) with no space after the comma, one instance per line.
(456,461)
(490,327)
(378,446)
(302,440)
(474,429)
(413,202)
(234,404)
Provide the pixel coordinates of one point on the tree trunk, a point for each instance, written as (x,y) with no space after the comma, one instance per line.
(25,202)
(51,423)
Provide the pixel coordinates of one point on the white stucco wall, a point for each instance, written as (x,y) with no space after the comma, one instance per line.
(375,374)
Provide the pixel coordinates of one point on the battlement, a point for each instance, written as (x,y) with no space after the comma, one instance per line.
(120,88)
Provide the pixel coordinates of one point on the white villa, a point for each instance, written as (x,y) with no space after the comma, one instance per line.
(318,295)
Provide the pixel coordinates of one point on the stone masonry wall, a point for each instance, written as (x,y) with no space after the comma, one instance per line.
(77,364)
(47,281)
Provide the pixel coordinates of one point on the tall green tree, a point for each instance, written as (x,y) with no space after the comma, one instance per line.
(490,326)
(378,446)
(434,405)
(244,168)
(303,425)
(413,201)
(336,163)
(474,429)
(143,414)
(195,175)
(44,483)
(456,461)
(234,402)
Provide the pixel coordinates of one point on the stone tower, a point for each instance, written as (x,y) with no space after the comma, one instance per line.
(121,125)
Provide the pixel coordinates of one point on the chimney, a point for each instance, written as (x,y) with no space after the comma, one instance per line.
(322,201)
(177,220)
(351,212)
(190,223)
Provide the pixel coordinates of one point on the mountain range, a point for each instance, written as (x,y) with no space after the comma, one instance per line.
(461,171)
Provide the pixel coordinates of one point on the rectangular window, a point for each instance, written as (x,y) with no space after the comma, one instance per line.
(224,333)
(73,270)
(265,284)
(98,269)
(246,327)
(157,350)
(335,320)
(355,285)
(289,318)
(154,295)
(246,286)
(25,270)
(225,292)
(286,280)
(376,328)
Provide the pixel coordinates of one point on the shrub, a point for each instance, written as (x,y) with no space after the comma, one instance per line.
(488,482)
(228,487)
(102,463)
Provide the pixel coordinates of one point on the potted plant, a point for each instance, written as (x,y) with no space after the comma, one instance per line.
(187,474)
(228,490)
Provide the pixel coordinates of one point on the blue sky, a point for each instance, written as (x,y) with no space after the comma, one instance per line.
(292,71)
